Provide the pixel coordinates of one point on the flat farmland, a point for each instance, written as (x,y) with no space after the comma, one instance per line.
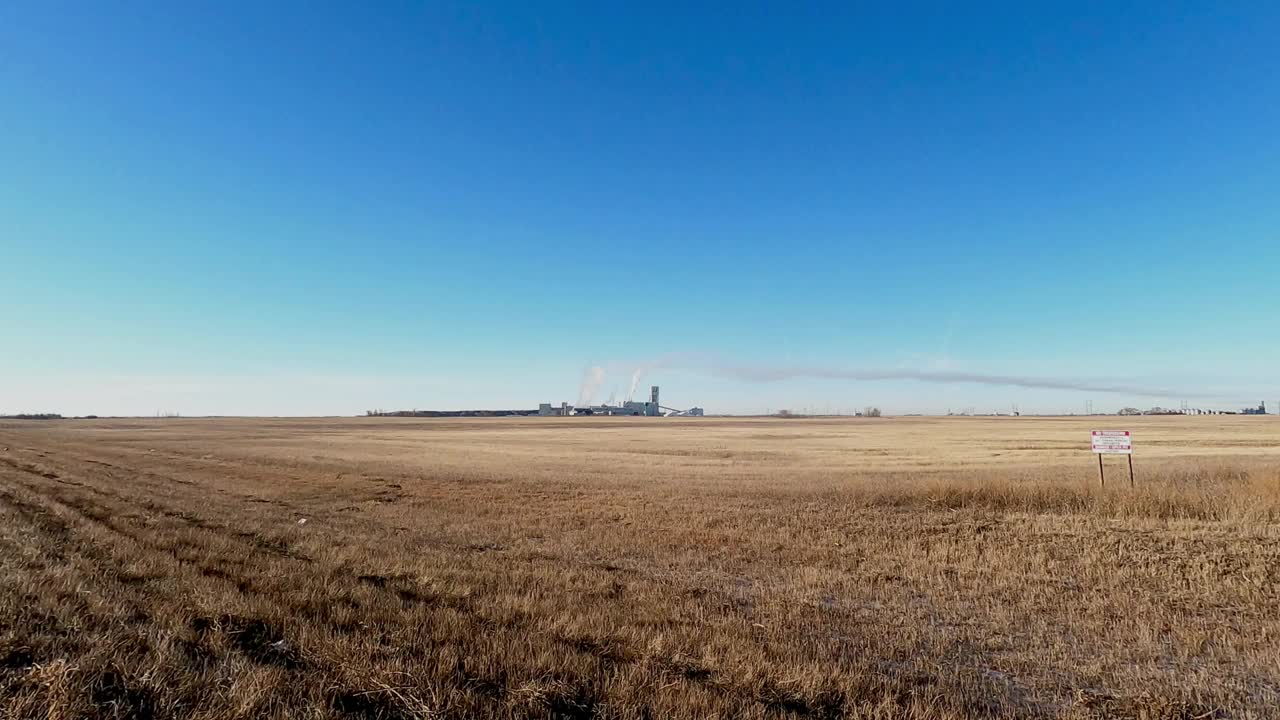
(638,568)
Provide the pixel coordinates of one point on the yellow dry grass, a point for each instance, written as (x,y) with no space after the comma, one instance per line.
(638,568)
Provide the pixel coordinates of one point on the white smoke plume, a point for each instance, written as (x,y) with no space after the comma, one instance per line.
(716,367)
(774,374)
(635,383)
(592,379)
(670,360)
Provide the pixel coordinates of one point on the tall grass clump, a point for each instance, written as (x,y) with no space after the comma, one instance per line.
(1197,491)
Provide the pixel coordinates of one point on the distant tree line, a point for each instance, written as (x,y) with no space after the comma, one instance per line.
(866,412)
(447,413)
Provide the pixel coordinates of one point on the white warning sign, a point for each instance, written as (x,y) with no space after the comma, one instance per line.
(1112,442)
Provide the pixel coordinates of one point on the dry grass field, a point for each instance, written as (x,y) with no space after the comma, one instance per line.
(638,568)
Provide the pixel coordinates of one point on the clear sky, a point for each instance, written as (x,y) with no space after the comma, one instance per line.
(302,208)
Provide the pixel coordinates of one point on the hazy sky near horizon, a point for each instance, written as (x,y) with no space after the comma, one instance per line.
(321,208)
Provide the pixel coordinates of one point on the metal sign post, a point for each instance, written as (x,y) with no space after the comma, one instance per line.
(1112,442)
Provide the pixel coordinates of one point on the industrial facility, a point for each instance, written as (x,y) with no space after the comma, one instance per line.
(635,408)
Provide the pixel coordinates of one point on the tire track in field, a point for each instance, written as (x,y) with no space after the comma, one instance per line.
(43,513)
(130,473)
(113,517)
(64,551)
(274,546)
(609,653)
(182,553)
(252,637)
(612,656)
(407,597)
(28,467)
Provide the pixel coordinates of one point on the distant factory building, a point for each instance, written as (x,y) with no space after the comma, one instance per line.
(631,408)
(547,409)
(634,408)
(1260,410)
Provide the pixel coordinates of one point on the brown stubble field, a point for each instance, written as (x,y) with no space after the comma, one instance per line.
(638,568)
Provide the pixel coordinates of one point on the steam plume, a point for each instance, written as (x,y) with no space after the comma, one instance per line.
(592,379)
(635,383)
(715,367)
(774,374)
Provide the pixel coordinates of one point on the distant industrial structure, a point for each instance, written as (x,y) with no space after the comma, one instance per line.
(1186,410)
(632,408)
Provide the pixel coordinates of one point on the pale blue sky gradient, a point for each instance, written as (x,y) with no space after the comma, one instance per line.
(301,208)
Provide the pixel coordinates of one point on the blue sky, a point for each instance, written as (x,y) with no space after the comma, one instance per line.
(299,208)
